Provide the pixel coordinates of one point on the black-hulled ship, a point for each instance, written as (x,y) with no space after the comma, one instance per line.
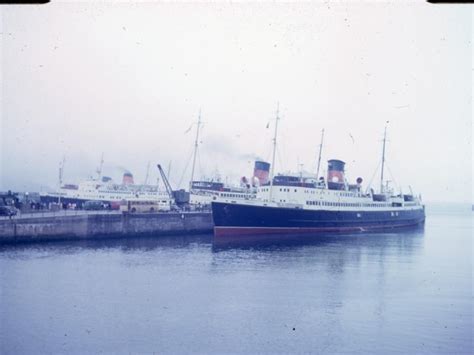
(294,204)
(297,206)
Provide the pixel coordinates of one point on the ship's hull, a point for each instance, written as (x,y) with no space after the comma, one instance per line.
(234,219)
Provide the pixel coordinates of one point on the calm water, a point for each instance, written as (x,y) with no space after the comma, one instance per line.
(409,291)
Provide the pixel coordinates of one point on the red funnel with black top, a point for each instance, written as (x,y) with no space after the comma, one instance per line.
(127,178)
(336,179)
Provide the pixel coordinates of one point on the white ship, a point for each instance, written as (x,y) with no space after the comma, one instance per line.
(203,192)
(103,188)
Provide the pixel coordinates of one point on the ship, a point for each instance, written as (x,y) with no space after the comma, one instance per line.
(202,192)
(104,189)
(291,204)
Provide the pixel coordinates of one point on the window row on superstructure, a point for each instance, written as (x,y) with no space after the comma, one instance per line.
(314,191)
(231,195)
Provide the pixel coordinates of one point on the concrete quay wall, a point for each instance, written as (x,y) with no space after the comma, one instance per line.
(101,226)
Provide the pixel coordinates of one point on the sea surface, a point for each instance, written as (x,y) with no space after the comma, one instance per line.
(408,291)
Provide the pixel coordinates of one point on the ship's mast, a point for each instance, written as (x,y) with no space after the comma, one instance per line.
(383,159)
(147,173)
(272,170)
(61,172)
(99,169)
(320,150)
(196,143)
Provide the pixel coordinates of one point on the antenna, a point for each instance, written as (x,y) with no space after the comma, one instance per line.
(320,150)
(272,171)
(383,159)
(196,142)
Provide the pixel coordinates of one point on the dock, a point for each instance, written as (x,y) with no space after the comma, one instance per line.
(78,225)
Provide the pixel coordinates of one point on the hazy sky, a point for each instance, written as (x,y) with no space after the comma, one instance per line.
(128,79)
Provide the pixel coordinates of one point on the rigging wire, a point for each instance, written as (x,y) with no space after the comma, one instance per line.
(265,147)
(198,151)
(185,168)
(280,150)
(373,176)
(199,165)
(393,179)
(192,151)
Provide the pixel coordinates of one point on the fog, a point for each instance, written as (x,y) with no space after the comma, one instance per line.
(127,80)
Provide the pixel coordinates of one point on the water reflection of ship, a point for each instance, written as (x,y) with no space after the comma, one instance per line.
(146,243)
(402,238)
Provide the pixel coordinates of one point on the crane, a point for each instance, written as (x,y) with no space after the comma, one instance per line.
(169,190)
